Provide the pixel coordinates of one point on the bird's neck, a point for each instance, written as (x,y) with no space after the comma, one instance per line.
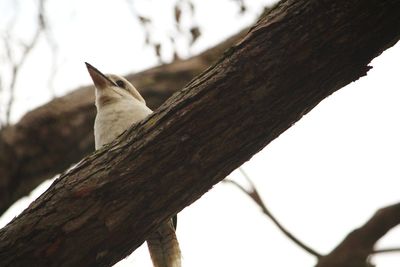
(116,117)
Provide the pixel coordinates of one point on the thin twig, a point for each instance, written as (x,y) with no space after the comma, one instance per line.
(52,43)
(253,194)
(385,250)
(16,66)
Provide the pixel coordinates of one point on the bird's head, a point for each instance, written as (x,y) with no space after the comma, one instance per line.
(111,88)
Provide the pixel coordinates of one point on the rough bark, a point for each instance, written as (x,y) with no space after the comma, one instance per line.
(293,58)
(355,249)
(51,138)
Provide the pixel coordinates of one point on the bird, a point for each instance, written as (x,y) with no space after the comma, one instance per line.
(119,105)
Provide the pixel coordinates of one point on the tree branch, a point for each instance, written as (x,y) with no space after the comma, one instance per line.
(386,250)
(17,65)
(355,249)
(51,138)
(114,198)
(255,196)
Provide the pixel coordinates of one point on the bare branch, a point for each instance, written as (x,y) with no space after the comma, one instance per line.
(355,249)
(16,66)
(52,43)
(255,196)
(385,250)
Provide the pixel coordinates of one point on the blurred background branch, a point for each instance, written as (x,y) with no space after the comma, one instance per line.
(27,47)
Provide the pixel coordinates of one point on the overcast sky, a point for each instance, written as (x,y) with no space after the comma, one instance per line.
(322,178)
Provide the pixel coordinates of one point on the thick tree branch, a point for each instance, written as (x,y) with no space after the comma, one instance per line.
(301,52)
(50,138)
(355,249)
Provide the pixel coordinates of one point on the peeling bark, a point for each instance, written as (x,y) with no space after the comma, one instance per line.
(102,210)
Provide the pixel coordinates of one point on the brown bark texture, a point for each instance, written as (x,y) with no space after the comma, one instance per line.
(103,209)
(355,249)
(51,138)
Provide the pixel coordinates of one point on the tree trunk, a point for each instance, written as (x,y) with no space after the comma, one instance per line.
(301,52)
(52,137)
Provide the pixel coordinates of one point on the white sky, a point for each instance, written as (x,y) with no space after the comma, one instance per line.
(322,178)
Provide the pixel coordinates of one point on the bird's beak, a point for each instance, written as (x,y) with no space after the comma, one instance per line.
(99,79)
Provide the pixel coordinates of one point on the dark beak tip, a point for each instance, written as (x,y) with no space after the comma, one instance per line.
(88,65)
(100,80)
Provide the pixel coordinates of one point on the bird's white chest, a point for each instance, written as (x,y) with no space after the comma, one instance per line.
(114,118)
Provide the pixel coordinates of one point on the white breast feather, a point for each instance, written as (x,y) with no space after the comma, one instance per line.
(113,119)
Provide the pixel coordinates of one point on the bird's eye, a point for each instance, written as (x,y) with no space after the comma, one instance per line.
(120,84)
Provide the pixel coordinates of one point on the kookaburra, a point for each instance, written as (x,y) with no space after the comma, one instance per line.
(119,105)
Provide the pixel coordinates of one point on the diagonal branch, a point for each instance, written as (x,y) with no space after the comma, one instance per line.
(358,245)
(255,196)
(115,197)
(51,138)
(355,249)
